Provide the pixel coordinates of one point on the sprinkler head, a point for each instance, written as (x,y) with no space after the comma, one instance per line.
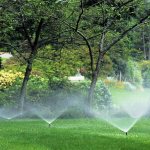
(49,125)
(126,133)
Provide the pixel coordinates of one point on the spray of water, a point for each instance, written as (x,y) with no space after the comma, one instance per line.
(136,109)
(52,109)
(125,114)
(46,113)
(9,114)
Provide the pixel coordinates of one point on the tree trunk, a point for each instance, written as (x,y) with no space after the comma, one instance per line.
(143,37)
(91,90)
(93,82)
(149,48)
(26,78)
(32,56)
(95,73)
(24,85)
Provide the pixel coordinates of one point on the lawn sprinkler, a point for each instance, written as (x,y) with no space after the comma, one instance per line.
(126,133)
(50,125)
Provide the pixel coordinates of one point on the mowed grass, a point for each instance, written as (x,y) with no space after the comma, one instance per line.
(72,134)
(121,95)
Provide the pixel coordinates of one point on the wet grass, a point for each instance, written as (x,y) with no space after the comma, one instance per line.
(120,95)
(77,134)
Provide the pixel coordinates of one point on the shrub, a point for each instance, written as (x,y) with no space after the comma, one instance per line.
(145,67)
(52,89)
(9,95)
(120,85)
(1,65)
(133,73)
(102,96)
(114,83)
(10,84)
(7,78)
(37,88)
(107,66)
(56,83)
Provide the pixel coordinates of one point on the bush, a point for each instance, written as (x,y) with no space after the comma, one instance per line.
(146,77)
(7,78)
(76,93)
(10,85)
(133,74)
(114,83)
(145,67)
(56,83)
(102,96)
(54,89)
(107,66)
(9,95)
(37,88)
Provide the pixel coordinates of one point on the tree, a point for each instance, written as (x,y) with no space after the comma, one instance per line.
(92,21)
(100,25)
(143,43)
(25,26)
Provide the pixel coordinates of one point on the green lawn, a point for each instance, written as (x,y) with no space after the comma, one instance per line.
(121,95)
(84,134)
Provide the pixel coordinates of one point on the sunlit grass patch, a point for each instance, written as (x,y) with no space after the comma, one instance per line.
(72,134)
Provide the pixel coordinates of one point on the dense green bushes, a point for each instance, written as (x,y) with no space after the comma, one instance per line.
(145,67)
(10,85)
(102,96)
(7,78)
(52,89)
(133,73)
(10,82)
(61,88)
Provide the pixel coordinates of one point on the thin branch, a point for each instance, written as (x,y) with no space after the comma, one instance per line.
(125,33)
(100,56)
(87,43)
(125,3)
(25,29)
(80,15)
(112,18)
(89,47)
(48,40)
(115,15)
(37,34)
(27,35)
(101,45)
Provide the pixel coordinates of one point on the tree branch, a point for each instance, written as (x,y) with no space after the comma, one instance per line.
(100,56)
(37,34)
(90,49)
(87,43)
(27,36)
(80,15)
(125,33)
